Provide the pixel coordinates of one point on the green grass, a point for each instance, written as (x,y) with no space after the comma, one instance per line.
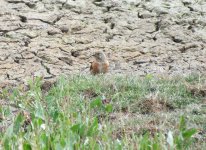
(105,112)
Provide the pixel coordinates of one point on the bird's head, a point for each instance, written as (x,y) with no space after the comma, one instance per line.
(100,56)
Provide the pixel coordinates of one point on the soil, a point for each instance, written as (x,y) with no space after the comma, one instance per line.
(53,37)
(150,106)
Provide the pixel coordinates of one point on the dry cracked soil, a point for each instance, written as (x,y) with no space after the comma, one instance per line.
(52,37)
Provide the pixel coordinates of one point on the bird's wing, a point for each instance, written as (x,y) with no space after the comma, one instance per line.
(94,67)
(106,67)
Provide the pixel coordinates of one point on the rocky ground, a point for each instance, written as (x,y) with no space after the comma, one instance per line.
(52,37)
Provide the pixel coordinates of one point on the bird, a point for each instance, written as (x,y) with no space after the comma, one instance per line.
(100,65)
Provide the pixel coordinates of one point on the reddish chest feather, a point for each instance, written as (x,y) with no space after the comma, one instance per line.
(97,67)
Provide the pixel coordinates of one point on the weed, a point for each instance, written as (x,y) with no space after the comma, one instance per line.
(87,112)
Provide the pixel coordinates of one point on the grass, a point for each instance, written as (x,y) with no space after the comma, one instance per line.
(105,112)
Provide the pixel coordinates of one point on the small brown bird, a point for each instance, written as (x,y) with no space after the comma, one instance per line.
(100,64)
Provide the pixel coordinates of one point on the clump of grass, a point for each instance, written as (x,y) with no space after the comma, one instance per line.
(101,112)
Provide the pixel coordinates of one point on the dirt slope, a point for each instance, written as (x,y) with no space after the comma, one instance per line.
(53,37)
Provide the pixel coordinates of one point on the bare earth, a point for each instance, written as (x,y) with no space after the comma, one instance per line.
(52,37)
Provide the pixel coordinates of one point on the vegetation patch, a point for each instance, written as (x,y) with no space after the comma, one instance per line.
(152,105)
(89,94)
(103,112)
(197,90)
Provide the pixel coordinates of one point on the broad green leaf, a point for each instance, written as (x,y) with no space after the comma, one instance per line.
(188,133)
(156,146)
(93,128)
(79,129)
(44,140)
(145,143)
(109,108)
(26,146)
(18,123)
(63,142)
(82,130)
(96,103)
(7,144)
(75,128)
(182,125)
(57,116)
